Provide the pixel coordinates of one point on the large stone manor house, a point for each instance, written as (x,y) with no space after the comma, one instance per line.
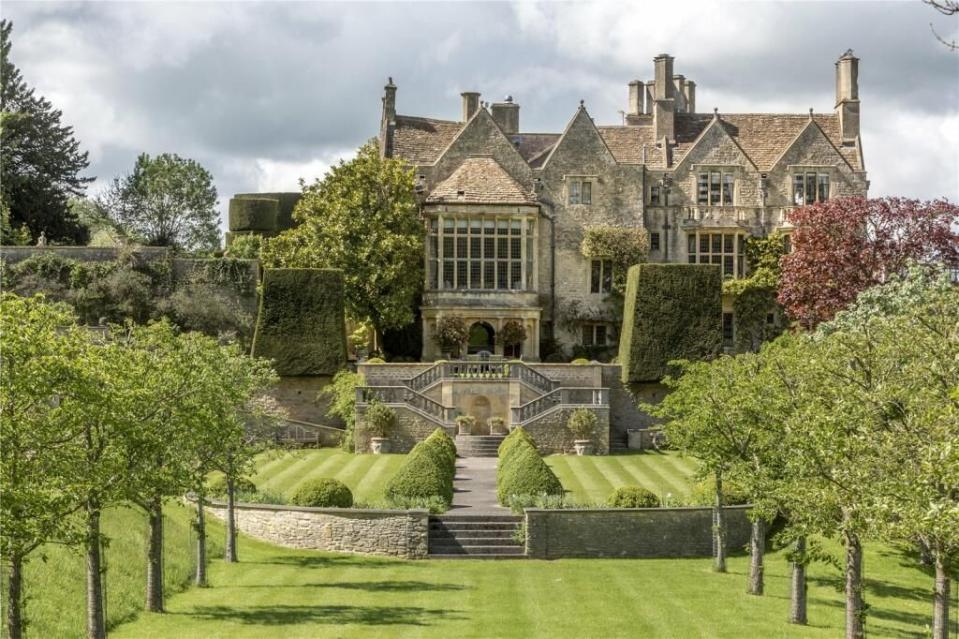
(507,210)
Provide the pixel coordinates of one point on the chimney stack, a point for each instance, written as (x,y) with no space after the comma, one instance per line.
(847,96)
(636,92)
(506,115)
(690,91)
(664,106)
(389,101)
(470,104)
(679,92)
(650,95)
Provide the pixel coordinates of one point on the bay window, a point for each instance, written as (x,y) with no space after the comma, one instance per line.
(480,252)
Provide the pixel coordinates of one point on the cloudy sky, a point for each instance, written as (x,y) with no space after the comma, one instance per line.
(264,94)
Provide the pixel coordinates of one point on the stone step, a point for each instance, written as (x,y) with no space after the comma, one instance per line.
(472,528)
(470,536)
(513,519)
(477,550)
(461,556)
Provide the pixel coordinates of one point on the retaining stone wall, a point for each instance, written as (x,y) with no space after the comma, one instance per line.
(637,533)
(393,533)
(411,427)
(552,437)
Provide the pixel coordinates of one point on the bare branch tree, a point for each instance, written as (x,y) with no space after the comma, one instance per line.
(946,8)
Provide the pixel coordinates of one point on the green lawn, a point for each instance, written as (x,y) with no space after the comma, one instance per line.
(592,478)
(290,594)
(366,475)
(55,589)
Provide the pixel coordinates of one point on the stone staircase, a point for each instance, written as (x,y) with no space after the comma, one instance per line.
(478,445)
(474,537)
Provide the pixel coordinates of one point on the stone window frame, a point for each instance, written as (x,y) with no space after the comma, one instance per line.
(654,241)
(596,329)
(701,248)
(601,274)
(820,174)
(439,240)
(580,189)
(725,188)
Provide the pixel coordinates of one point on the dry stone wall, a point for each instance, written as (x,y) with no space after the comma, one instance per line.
(639,533)
(392,533)
(553,437)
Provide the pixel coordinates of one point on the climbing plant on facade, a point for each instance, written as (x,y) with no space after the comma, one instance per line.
(624,247)
(755,296)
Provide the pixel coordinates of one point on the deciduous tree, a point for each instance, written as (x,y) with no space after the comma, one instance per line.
(361,218)
(843,246)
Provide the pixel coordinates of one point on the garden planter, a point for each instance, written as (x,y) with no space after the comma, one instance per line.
(379,445)
(464,429)
(583,446)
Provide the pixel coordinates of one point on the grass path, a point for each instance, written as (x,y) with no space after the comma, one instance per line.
(591,479)
(293,594)
(366,475)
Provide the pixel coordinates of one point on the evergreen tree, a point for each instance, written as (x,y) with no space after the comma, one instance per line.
(41,161)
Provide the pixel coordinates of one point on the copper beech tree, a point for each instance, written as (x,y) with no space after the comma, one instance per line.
(842,247)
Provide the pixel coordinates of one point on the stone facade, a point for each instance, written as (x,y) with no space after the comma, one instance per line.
(640,533)
(548,189)
(392,533)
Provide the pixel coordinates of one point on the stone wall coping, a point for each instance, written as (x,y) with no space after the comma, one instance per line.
(342,512)
(634,510)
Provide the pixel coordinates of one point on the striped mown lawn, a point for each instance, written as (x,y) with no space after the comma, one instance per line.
(366,475)
(591,479)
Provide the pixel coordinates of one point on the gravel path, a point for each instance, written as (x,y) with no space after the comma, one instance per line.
(474,487)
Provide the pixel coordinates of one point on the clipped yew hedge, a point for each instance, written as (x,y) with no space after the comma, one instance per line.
(253,214)
(672,311)
(521,471)
(285,203)
(427,472)
(325,492)
(300,325)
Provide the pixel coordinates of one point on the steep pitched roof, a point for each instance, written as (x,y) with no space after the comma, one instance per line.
(421,140)
(480,180)
(534,147)
(581,120)
(762,136)
(626,144)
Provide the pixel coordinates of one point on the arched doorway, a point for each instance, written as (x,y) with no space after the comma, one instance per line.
(482,338)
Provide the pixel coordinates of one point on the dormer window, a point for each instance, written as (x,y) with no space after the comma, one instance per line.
(715,188)
(580,191)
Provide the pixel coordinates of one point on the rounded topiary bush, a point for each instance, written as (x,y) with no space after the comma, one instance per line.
(325,492)
(375,360)
(579,361)
(704,493)
(216,488)
(253,214)
(441,440)
(516,434)
(526,474)
(421,477)
(632,497)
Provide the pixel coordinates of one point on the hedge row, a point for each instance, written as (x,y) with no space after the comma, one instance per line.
(521,470)
(300,325)
(427,472)
(253,214)
(672,311)
(285,203)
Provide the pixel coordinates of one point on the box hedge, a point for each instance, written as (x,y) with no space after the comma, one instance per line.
(253,214)
(285,204)
(325,492)
(672,311)
(300,325)
(632,497)
(427,472)
(510,440)
(523,472)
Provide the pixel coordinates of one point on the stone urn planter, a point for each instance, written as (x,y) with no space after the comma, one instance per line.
(497,426)
(583,446)
(464,424)
(379,445)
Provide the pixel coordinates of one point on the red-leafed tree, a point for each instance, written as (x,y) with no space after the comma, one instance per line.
(843,246)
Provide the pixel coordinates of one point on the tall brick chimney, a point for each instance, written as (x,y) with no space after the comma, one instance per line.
(389,101)
(664,105)
(471,103)
(690,91)
(506,115)
(636,89)
(847,95)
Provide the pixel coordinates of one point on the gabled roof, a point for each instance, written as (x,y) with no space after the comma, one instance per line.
(579,118)
(626,144)
(723,130)
(480,180)
(421,140)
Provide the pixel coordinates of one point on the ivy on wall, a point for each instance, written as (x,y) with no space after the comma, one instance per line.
(623,246)
(754,297)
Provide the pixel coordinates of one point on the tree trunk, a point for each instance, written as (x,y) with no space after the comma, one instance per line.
(15,597)
(230,554)
(154,591)
(200,579)
(940,602)
(797,603)
(96,626)
(855,613)
(719,528)
(757,548)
